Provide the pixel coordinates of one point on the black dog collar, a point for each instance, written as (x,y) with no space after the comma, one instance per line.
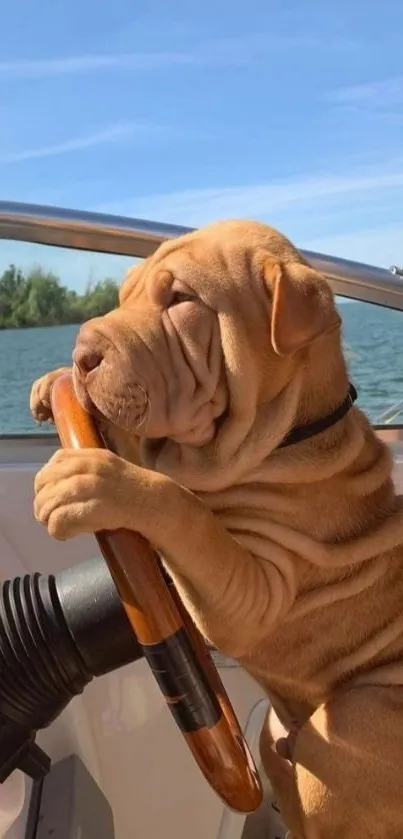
(304,432)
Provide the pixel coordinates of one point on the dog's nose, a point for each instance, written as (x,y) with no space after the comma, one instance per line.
(86,358)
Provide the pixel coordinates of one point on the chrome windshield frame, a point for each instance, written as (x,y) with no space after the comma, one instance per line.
(101,233)
(81,230)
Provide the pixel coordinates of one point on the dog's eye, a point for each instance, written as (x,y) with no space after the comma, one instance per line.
(180,297)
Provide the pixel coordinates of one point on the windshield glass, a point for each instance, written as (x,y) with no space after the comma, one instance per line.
(45,293)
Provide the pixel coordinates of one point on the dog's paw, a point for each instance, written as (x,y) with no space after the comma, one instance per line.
(39,401)
(81,491)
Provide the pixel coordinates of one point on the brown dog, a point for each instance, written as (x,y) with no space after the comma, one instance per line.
(288,556)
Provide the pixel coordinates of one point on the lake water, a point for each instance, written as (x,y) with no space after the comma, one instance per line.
(374,337)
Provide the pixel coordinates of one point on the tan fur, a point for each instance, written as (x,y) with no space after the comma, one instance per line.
(288,559)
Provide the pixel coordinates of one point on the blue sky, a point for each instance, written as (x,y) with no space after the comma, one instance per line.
(291,112)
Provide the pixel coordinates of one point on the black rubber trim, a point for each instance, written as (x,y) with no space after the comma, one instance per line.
(183,682)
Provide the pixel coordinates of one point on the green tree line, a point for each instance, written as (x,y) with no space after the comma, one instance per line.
(38,298)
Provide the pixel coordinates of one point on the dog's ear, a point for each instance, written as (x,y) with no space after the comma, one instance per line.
(302,305)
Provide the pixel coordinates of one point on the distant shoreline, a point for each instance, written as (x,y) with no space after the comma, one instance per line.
(38,299)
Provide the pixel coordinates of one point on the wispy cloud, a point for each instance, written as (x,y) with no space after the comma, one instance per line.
(109,136)
(199,206)
(377,94)
(343,209)
(219,52)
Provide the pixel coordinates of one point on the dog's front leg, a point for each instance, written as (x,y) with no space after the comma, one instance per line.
(226,589)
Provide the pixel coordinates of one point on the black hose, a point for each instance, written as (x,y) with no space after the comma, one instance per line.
(56,633)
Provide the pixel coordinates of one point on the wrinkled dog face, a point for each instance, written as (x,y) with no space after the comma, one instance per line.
(154,366)
(233,301)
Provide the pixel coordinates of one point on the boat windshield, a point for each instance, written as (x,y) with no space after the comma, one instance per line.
(47,290)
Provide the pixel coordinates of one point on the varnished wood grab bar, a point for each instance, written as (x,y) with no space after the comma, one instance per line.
(172,646)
